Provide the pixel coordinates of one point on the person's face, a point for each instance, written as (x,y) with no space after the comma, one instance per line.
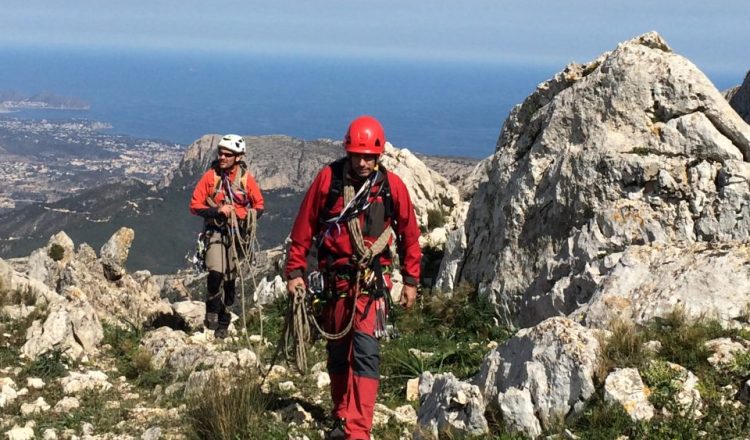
(227,159)
(363,164)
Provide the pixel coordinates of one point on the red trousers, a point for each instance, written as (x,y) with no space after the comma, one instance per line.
(354,363)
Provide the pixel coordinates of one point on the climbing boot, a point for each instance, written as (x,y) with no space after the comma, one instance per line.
(221,333)
(337,432)
(212,321)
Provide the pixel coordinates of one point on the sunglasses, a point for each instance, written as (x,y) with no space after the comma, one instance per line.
(225,154)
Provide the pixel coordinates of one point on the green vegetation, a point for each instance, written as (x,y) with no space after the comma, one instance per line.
(46,366)
(56,252)
(682,341)
(435,218)
(131,360)
(236,411)
(448,334)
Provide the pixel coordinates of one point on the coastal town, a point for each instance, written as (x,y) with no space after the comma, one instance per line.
(44,161)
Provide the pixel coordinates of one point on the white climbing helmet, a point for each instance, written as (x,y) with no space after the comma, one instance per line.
(233,143)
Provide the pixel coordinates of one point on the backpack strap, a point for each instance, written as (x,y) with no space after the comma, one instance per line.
(336,189)
(238,184)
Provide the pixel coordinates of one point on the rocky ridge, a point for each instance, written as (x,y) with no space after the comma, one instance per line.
(636,148)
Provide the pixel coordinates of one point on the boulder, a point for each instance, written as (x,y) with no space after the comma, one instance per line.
(625,387)
(192,313)
(645,282)
(541,375)
(269,290)
(449,407)
(132,300)
(114,253)
(739,98)
(72,326)
(77,382)
(428,190)
(632,149)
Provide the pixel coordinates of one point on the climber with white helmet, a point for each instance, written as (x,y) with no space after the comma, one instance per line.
(224,197)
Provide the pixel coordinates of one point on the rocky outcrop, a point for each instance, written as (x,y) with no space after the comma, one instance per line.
(534,381)
(632,149)
(449,407)
(114,253)
(739,98)
(428,190)
(644,282)
(71,326)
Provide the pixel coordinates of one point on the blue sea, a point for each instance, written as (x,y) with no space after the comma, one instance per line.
(441,108)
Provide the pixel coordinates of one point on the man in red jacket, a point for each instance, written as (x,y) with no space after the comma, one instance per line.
(351,212)
(223,197)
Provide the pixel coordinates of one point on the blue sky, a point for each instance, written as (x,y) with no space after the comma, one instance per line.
(713,34)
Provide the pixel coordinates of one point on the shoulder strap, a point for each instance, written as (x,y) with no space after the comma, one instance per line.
(385,193)
(336,189)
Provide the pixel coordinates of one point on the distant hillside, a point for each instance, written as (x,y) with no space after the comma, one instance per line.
(164,229)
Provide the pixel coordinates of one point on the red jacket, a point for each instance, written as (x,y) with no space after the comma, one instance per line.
(206,187)
(336,245)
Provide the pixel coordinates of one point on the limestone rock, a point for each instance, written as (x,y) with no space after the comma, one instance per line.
(192,313)
(37,407)
(77,382)
(651,281)
(412,389)
(428,190)
(322,380)
(34,383)
(152,433)
(114,253)
(739,99)
(8,392)
(66,404)
(724,351)
(269,290)
(21,433)
(549,366)
(72,326)
(632,149)
(454,249)
(42,266)
(450,407)
(132,299)
(626,387)
(688,397)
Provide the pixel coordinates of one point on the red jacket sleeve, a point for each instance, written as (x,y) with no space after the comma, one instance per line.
(407,231)
(199,201)
(253,191)
(306,224)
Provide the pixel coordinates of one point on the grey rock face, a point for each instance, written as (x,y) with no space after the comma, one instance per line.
(449,406)
(702,279)
(625,387)
(634,148)
(541,375)
(114,253)
(739,98)
(72,326)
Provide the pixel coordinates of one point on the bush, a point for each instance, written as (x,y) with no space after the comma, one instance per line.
(50,365)
(56,252)
(233,409)
(435,218)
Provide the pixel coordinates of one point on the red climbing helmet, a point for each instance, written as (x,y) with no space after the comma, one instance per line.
(365,135)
